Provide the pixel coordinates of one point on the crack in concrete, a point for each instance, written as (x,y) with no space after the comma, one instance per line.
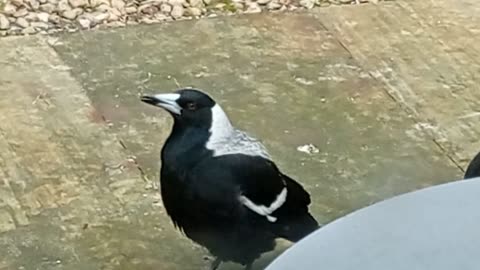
(403,107)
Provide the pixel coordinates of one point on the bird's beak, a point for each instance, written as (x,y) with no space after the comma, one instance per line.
(166,101)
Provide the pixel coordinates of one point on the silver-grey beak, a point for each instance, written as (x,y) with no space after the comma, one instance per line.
(166,101)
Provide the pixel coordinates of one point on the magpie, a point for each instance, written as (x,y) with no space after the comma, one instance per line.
(220,186)
(473,169)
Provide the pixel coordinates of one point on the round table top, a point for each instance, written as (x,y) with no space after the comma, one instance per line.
(432,228)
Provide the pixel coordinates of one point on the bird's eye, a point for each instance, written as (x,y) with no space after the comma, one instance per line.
(191,106)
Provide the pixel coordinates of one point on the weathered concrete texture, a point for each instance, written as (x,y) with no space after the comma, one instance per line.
(285,79)
(70,196)
(427,55)
(80,154)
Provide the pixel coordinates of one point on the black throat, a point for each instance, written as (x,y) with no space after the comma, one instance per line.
(185,146)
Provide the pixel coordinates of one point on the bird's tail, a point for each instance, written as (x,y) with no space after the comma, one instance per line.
(299,227)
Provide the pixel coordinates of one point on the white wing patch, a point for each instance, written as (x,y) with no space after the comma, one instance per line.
(225,139)
(264,210)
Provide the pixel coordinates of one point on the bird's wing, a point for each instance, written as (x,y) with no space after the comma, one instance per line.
(301,197)
(240,189)
(213,190)
(236,182)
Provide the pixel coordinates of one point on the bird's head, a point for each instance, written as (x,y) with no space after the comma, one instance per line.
(187,106)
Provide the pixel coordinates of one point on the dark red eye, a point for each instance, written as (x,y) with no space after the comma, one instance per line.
(191,106)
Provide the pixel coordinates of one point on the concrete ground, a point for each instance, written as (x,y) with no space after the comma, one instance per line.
(388,93)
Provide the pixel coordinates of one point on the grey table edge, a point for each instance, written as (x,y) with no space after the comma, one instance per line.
(433,228)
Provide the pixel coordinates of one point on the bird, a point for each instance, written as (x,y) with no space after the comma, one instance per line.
(219,185)
(473,169)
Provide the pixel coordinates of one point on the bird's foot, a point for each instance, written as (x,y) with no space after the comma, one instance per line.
(249,266)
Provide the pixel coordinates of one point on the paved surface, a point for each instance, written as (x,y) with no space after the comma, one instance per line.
(387,93)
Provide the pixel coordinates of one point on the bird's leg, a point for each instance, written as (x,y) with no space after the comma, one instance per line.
(215,264)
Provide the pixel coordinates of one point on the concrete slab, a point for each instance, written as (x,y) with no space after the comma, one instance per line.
(81,161)
(427,55)
(286,79)
(70,196)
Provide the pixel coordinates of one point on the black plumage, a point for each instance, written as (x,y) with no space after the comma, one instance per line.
(221,188)
(473,169)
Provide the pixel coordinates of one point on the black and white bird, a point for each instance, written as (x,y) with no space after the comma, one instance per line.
(220,186)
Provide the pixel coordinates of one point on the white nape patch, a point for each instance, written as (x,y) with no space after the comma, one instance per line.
(225,139)
(262,209)
(169,102)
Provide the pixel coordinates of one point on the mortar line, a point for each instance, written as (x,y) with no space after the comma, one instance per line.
(104,130)
(415,119)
